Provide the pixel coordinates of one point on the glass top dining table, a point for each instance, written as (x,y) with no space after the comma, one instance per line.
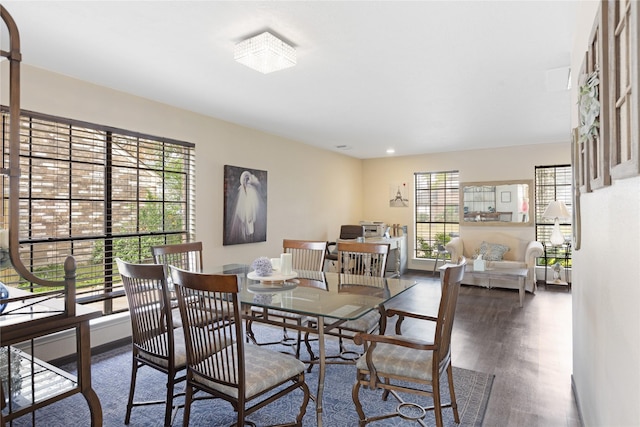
(330,298)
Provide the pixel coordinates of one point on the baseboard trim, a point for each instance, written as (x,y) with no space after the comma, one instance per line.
(104,331)
(94,351)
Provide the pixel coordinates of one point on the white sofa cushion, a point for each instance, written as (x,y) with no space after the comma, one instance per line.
(493,251)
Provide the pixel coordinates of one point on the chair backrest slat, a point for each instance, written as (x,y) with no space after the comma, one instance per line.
(306,254)
(368,259)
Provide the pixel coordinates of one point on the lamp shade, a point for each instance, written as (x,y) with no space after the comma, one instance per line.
(556,209)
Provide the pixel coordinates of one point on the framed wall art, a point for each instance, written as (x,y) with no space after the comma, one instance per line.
(245,205)
(576,161)
(592,104)
(581,170)
(624,101)
(398,195)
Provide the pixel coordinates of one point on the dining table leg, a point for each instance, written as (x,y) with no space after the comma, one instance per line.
(322,368)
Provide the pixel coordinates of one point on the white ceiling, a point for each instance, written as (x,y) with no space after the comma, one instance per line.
(420,76)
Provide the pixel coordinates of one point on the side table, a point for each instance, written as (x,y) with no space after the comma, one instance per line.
(41,384)
(519,274)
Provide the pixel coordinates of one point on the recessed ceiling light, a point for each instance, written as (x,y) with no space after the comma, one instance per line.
(390,150)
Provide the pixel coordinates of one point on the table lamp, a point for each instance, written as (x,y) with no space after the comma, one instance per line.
(555,211)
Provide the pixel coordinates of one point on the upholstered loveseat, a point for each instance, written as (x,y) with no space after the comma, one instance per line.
(520,254)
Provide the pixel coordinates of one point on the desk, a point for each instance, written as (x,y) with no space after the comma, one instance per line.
(42,384)
(397,260)
(321,295)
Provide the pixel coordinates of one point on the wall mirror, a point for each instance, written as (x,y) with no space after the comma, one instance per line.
(496,203)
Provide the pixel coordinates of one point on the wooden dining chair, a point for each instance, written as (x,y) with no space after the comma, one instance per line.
(355,259)
(218,360)
(365,259)
(155,342)
(182,255)
(307,255)
(397,364)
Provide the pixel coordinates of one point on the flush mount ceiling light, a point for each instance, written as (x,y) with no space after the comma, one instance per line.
(265,53)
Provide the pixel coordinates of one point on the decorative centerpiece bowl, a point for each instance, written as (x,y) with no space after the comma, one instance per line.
(262,266)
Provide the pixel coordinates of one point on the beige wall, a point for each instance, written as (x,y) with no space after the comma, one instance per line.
(606,288)
(310,191)
(512,163)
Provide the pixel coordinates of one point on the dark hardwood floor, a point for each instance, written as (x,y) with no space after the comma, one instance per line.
(528,349)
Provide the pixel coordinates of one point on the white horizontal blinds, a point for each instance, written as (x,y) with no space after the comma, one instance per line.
(61,198)
(97,193)
(552,183)
(437,210)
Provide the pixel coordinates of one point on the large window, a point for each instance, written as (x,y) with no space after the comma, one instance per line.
(96,193)
(554,183)
(437,212)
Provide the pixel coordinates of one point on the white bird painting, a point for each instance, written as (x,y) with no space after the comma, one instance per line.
(245,205)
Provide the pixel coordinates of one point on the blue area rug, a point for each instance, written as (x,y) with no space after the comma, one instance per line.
(111,372)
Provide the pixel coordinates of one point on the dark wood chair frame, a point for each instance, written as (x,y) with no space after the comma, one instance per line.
(182,255)
(357,255)
(368,374)
(187,256)
(153,341)
(216,361)
(308,255)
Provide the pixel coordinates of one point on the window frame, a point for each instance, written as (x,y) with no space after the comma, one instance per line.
(97,193)
(435,230)
(554,188)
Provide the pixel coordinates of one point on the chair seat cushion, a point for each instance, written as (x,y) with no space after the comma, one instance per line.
(179,351)
(400,361)
(280,313)
(365,323)
(264,369)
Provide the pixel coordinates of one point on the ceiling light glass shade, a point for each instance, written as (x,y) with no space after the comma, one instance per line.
(556,210)
(265,53)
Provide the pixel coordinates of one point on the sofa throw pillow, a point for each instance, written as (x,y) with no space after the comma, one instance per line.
(493,251)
